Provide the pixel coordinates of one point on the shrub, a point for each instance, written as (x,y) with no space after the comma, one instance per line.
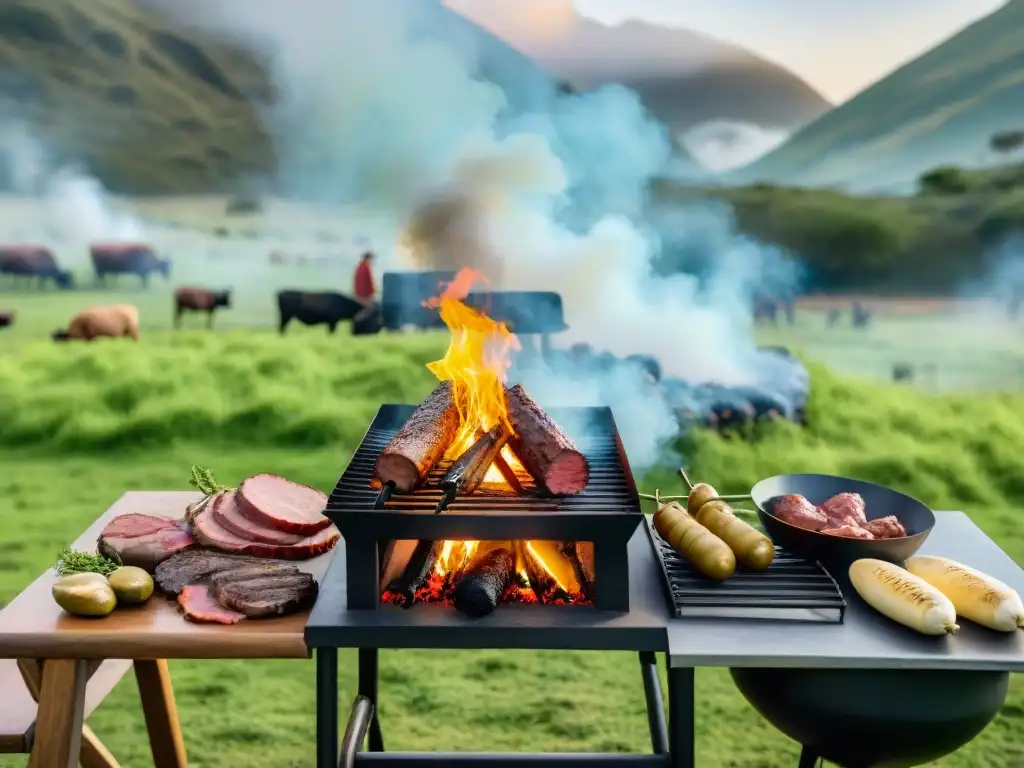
(944,180)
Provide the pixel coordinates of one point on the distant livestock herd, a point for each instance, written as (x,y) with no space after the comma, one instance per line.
(38,262)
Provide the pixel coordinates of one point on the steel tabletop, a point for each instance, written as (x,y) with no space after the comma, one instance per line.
(865,639)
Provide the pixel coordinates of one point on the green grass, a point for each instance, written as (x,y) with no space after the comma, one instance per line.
(249,402)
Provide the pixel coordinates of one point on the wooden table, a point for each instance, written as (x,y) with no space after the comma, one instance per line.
(57,653)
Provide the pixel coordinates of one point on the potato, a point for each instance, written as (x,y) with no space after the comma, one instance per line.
(751,547)
(700,495)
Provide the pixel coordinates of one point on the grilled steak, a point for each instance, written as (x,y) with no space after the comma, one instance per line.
(230,518)
(888,527)
(211,533)
(267,595)
(844,509)
(273,502)
(200,606)
(848,532)
(141,540)
(196,565)
(421,442)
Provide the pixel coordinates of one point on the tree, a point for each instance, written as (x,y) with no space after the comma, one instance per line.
(944,180)
(1006,142)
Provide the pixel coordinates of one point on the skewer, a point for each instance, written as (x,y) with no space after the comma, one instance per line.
(732,497)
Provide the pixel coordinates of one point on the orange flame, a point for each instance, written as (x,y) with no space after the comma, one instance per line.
(476,363)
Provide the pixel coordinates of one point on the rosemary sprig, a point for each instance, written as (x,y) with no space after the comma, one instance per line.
(204,480)
(72,561)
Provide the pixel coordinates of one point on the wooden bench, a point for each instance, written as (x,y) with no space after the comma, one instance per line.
(19,689)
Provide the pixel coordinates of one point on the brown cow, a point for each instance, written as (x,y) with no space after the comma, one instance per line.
(113,321)
(189,298)
(34,261)
(6,319)
(127,259)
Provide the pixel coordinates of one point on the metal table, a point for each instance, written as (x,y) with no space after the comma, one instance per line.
(331,626)
(866,639)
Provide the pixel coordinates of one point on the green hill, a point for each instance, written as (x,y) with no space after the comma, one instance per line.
(940,108)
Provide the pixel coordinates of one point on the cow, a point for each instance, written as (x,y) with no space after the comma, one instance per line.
(127,259)
(860,315)
(6,318)
(34,261)
(189,298)
(316,308)
(113,321)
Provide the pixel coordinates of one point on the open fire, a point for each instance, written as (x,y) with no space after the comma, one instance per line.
(496,442)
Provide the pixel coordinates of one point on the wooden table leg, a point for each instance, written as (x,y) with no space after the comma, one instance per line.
(94,754)
(58,736)
(158,706)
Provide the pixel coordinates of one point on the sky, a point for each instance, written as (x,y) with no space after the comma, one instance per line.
(838,46)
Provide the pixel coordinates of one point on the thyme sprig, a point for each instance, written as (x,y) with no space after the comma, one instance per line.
(75,561)
(204,480)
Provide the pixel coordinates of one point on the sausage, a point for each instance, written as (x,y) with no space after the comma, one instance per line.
(751,547)
(699,546)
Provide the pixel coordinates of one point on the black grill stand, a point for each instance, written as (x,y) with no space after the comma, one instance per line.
(672,747)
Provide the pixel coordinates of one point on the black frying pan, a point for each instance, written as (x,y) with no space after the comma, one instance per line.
(837,551)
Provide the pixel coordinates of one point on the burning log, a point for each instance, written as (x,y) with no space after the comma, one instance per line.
(484,583)
(580,555)
(549,571)
(421,442)
(468,471)
(543,448)
(402,590)
(508,474)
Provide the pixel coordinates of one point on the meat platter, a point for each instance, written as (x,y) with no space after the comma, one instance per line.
(232,555)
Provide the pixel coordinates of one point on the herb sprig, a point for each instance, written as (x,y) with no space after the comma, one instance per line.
(74,561)
(204,480)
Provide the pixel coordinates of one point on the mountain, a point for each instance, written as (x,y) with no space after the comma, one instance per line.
(150,106)
(941,108)
(684,78)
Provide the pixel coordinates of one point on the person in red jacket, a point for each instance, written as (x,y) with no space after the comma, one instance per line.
(363,287)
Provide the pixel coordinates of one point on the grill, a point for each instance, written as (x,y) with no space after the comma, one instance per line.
(606,513)
(792,589)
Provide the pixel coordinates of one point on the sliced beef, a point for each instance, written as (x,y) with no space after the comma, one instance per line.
(273,502)
(195,565)
(272,569)
(141,540)
(211,533)
(844,509)
(226,512)
(796,510)
(888,527)
(200,606)
(267,595)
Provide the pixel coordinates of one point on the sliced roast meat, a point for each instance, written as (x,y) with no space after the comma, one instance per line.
(200,606)
(196,565)
(274,502)
(266,569)
(144,541)
(211,533)
(226,512)
(268,595)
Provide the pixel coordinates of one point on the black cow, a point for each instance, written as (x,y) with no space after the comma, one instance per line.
(127,259)
(6,319)
(34,261)
(316,308)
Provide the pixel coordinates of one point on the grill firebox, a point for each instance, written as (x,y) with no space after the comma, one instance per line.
(602,518)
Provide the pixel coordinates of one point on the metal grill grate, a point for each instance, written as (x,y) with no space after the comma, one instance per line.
(610,490)
(792,589)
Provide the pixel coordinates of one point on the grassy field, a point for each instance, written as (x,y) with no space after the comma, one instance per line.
(82,424)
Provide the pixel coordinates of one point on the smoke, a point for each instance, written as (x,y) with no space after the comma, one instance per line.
(76,210)
(384,102)
(722,145)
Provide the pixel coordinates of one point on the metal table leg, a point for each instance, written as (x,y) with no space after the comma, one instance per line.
(808,758)
(326,708)
(680,716)
(368,687)
(655,704)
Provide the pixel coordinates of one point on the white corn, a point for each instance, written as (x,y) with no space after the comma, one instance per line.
(975,595)
(903,597)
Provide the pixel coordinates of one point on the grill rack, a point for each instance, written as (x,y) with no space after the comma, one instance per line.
(606,513)
(792,589)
